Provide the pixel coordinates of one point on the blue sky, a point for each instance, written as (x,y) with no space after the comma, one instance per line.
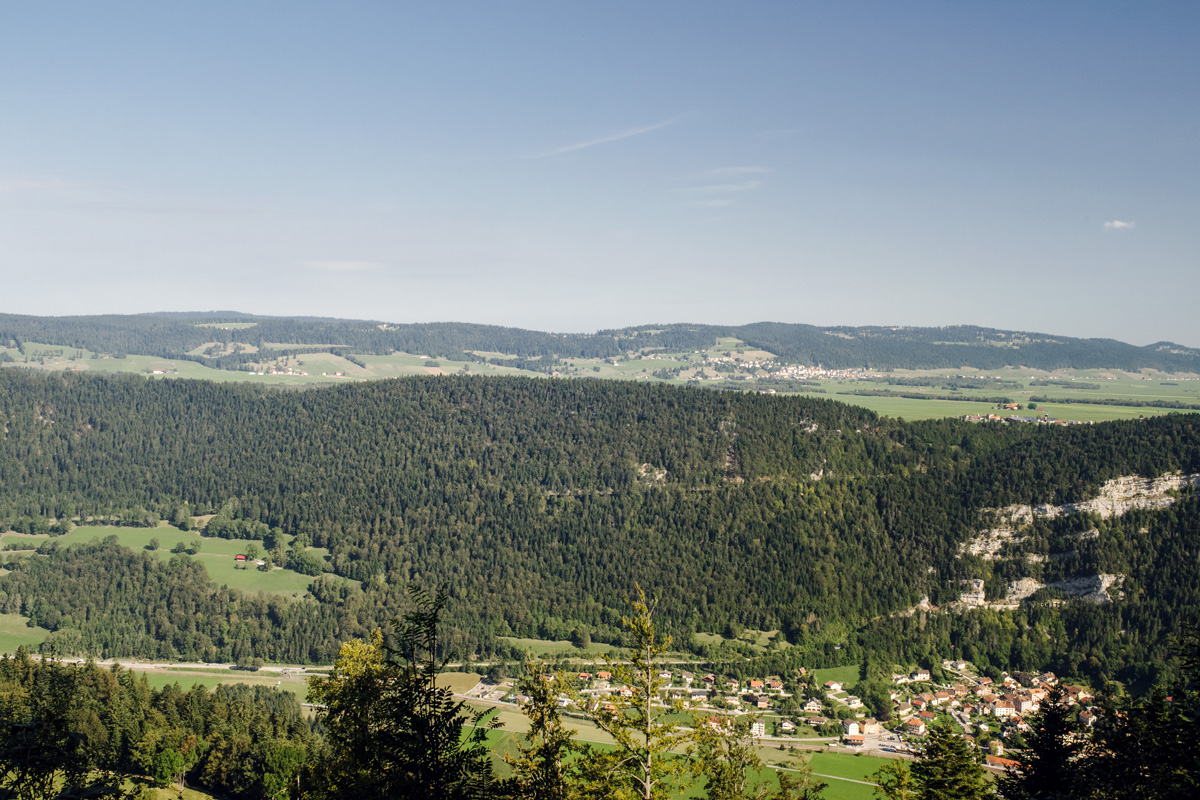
(572,167)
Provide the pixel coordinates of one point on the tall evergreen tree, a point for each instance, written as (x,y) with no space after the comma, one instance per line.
(948,770)
(393,731)
(641,765)
(1046,768)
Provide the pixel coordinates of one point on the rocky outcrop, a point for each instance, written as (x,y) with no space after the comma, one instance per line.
(989,543)
(1006,526)
(974,595)
(1116,497)
(1092,588)
(1021,589)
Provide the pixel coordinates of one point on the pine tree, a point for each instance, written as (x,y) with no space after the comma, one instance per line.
(947,769)
(393,732)
(1046,768)
(640,765)
(894,781)
(548,758)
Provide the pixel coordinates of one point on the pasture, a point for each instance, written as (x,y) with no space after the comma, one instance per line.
(545,648)
(759,640)
(1075,385)
(15,632)
(842,771)
(217,556)
(847,675)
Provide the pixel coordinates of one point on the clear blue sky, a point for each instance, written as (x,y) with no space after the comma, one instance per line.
(565,166)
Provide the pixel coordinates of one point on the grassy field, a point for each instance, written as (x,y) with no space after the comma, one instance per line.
(1146,386)
(217,556)
(14,632)
(760,640)
(847,676)
(545,648)
(843,768)
(295,684)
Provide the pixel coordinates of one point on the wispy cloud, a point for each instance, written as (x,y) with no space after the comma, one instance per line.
(344,266)
(612,137)
(1119,225)
(717,202)
(731,172)
(723,188)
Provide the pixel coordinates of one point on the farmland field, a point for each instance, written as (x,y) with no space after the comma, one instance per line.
(217,556)
(15,633)
(847,676)
(1019,383)
(544,648)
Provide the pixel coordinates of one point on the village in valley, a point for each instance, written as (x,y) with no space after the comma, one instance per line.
(987,713)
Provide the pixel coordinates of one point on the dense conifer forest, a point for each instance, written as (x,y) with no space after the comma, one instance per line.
(540,504)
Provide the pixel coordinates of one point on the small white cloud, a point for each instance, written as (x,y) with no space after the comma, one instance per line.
(344,266)
(1119,225)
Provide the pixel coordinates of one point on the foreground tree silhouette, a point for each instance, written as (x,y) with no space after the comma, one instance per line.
(393,732)
(1046,769)
(947,769)
(894,781)
(642,730)
(42,752)
(548,764)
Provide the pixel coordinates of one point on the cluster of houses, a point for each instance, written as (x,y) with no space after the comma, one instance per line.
(692,691)
(801,372)
(274,370)
(979,700)
(1044,419)
(975,703)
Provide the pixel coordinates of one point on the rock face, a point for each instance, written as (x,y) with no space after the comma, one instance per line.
(1116,497)
(1092,588)
(1006,526)
(1021,589)
(974,595)
(1123,494)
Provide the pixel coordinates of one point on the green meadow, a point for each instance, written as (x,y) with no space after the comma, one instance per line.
(324,368)
(847,675)
(841,771)
(217,556)
(545,648)
(15,632)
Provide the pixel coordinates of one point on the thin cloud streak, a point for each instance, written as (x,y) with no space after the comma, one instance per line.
(727,172)
(723,188)
(615,137)
(1119,225)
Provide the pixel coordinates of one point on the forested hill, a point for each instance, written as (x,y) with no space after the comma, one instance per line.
(540,505)
(178,334)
